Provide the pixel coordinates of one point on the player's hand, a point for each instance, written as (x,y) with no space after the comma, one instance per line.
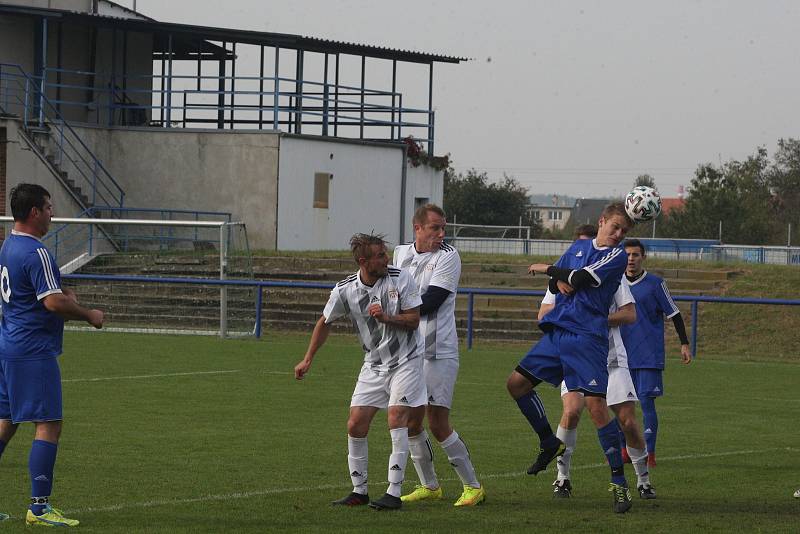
(564,288)
(96,318)
(376,311)
(686,354)
(537,268)
(301,369)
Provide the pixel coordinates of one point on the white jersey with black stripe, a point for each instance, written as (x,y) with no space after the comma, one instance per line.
(385,346)
(440,268)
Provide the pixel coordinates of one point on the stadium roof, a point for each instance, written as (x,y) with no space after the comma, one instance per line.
(192,34)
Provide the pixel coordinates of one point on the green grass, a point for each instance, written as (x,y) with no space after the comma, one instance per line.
(236,444)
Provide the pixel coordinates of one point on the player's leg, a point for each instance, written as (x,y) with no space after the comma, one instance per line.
(406,388)
(421,451)
(368,397)
(649,385)
(7,427)
(608,436)
(626,417)
(542,363)
(572,403)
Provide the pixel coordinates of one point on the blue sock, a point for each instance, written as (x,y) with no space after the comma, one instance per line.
(2,447)
(609,442)
(650,420)
(41,462)
(532,408)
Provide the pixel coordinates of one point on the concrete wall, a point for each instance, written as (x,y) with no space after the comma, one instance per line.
(424,184)
(203,170)
(16,41)
(364,192)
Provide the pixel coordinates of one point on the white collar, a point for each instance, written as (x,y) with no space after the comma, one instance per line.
(17,232)
(596,246)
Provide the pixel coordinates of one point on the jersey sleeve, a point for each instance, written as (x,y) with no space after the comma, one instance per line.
(549,298)
(665,301)
(336,307)
(397,256)
(623,296)
(612,264)
(447,272)
(43,272)
(409,293)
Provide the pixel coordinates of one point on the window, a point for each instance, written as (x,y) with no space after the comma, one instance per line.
(556,215)
(537,215)
(321,189)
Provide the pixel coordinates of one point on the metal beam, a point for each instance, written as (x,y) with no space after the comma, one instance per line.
(361,116)
(430,109)
(221,93)
(298,117)
(276,90)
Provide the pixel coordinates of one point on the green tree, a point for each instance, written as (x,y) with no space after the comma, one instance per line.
(472,199)
(784,182)
(645,179)
(736,193)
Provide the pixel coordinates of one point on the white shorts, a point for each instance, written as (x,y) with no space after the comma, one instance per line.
(440,380)
(620,387)
(403,386)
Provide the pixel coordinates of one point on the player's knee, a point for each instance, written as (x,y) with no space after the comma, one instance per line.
(518,385)
(357,428)
(440,428)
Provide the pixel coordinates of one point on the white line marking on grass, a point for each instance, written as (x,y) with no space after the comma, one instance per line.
(278,491)
(139,377)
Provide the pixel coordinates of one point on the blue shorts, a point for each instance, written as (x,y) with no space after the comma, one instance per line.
(579,360)
(648,382)
(30,390)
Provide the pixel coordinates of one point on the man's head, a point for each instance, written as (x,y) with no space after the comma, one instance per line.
(369,252)
(429,222)
(636,257)
(614,223)
(586,231)
(31,208)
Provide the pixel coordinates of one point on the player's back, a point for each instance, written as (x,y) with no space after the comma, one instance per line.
(27,328)
(644,339)
(586,310)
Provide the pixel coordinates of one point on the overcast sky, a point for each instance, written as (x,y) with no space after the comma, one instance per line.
(572,97)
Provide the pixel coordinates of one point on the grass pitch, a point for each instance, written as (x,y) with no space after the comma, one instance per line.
(194,434)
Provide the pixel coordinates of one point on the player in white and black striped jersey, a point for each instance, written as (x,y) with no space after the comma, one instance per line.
(383,304)
(436,267)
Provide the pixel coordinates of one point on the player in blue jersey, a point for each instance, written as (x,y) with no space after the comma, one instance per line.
(644,339)
(35,307)
(575,344)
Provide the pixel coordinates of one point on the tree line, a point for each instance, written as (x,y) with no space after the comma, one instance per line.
(756,199)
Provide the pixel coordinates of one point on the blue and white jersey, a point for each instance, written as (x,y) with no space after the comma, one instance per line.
(29,273)
(644,339)
(586,311)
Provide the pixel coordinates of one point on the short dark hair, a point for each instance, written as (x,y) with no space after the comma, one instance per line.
(635,243)
(617,208)
(25,197)
(421,215)
(361,245)
(586,229)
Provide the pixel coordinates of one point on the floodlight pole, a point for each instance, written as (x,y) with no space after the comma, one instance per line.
(223,290)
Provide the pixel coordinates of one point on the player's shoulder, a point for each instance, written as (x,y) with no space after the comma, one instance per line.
(652,279)
(447,248)
(395,272)
(403,248)
(347,281)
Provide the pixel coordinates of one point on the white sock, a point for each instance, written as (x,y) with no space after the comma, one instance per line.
(639,461)
(459,458)
(357,461)
(422,455)
(570,437)
(397,460)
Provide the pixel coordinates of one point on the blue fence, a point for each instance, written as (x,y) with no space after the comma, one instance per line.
(470,292)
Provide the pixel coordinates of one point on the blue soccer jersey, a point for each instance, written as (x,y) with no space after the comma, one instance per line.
(29,273)
(586,311)
(644,339)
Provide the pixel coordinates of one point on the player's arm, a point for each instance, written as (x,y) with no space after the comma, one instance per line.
(548,303)
(67,307)
(577,279)
(318,338)
(680,328)
(432,299)
(405,320)
(624,315)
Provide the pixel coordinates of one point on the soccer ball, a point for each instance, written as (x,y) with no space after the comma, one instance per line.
(643,204)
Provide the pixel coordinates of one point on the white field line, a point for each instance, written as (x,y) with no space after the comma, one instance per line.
(277,491)
(141,377)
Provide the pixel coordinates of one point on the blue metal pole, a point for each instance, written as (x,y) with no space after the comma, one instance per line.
(43,73)
(169,84)
(470,303)
(694,328)
(259,300)
(276,90)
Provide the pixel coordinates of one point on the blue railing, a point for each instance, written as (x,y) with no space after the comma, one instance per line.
(470,292)
(24,95)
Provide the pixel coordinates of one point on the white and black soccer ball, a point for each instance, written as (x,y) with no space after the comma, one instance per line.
(643,204)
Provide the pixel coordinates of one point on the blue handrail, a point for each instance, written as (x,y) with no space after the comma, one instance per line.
(469,291)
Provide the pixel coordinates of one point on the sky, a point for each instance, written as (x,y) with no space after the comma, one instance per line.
(573,97)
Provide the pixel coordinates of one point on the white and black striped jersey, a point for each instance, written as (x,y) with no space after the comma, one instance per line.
(385,346)
(441,268)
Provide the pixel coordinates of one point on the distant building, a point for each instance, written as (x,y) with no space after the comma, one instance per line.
(588,210)
(553,215)
(670,204)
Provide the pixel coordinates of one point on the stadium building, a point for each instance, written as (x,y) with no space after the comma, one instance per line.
(301,138)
